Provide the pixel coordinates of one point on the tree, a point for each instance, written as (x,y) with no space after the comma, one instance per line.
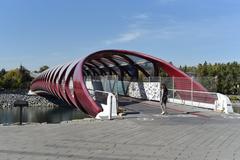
(43,68)
(15,79)
(25,77)
(11,80)
(2,72)
(223,78)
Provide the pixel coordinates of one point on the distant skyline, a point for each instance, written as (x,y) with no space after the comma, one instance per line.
(51,32)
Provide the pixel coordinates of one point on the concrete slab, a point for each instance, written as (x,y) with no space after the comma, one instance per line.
(185,133)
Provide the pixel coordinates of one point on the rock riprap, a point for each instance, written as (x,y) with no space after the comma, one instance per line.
(8,99)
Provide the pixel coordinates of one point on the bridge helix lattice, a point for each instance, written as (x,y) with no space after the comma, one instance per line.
(68,81)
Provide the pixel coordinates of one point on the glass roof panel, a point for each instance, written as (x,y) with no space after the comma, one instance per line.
(120,60)
(136,59)
(148,67)
(97,63)
(107,62)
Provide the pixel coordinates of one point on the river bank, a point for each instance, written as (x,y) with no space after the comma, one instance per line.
(41,109)
(7,99)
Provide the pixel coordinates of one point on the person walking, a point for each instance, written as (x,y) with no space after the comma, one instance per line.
(163,98)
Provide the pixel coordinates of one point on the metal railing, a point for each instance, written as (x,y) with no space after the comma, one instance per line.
(181,90)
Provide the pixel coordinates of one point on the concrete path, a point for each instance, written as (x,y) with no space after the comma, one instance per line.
(185,133)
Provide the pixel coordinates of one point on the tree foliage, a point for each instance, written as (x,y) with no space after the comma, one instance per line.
(219,77)
(41,69)
(15,79)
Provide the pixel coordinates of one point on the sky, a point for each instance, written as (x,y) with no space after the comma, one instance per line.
(34,33)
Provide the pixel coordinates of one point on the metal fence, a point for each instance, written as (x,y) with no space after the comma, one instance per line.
(149,88)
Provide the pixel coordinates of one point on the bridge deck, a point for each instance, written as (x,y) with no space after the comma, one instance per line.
(143,108)
(185,133)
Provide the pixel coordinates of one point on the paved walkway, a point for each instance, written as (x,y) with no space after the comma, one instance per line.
(185,133)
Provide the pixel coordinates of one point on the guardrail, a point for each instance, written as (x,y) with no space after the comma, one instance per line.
(221,102)
(181,90)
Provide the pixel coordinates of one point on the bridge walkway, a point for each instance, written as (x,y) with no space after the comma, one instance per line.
(144,108)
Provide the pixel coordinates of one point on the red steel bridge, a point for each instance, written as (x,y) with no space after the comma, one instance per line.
(68,81)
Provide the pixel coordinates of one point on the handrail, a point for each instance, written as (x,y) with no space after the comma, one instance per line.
(192,91)
(100,91)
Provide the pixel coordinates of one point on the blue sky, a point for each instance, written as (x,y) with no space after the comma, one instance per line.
(38,32)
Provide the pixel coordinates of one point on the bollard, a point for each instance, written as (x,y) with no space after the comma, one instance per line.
(21,104)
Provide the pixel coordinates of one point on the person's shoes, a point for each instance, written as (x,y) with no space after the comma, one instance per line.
(162,113)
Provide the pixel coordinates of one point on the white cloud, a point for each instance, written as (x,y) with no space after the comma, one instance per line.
(145,27)
(126,37)
(141,16)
